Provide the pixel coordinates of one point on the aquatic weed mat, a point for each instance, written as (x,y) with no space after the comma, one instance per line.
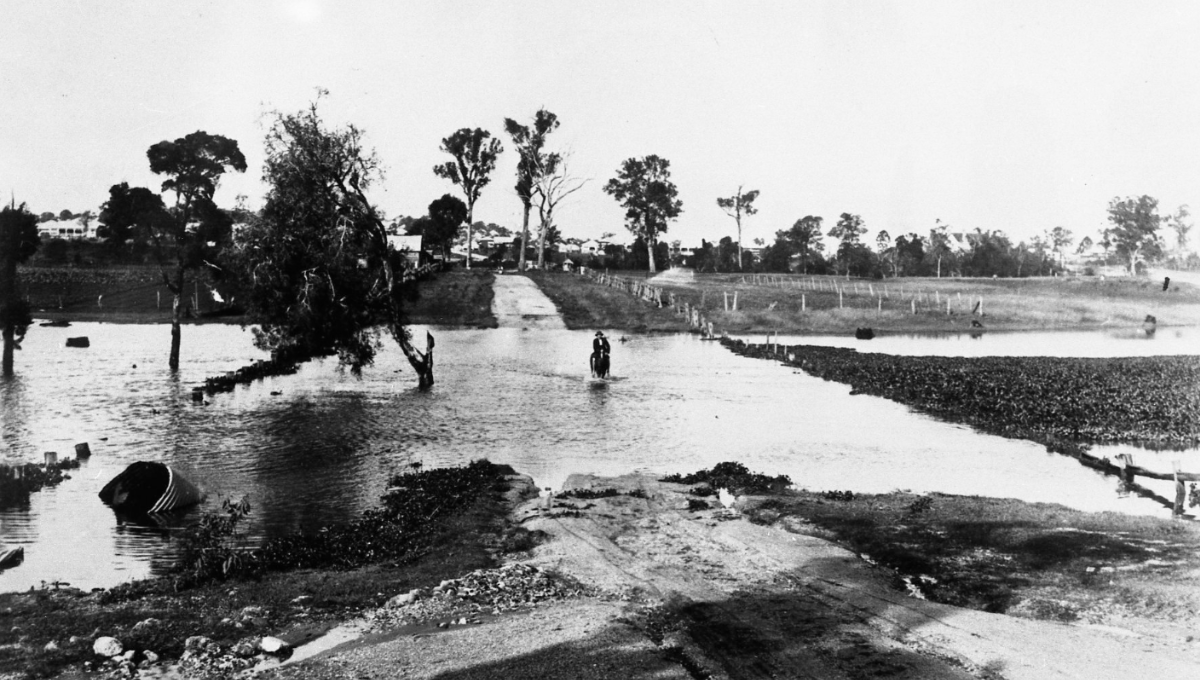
(1053,400)
(1002,555)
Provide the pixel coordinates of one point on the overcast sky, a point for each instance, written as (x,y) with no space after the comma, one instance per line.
(1018,116)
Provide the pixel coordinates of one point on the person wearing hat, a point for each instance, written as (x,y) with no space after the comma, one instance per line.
(600,350)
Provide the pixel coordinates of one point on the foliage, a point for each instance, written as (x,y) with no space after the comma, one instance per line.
(848,230)
(131,213)
(840,496)
(446,216)
(529,142)
(475,155)
(318,273)
(737,205)
(735,477)
(644,188)
(214,548)
(1134,230)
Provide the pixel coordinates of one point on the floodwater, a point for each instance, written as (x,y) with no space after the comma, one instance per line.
(318,447)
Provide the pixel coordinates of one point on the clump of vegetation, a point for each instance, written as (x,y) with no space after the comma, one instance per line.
(922,504)
(637,493)
(841,496)
(696,505)
(398,530)
(589,494)
(735,477)
(520,539)
(702,491)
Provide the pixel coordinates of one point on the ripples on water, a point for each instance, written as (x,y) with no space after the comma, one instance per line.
(322,450)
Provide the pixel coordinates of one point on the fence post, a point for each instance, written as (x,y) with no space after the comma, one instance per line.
(803,306)
(914,305)
(840,305)
(735,294)
(880,311)
(726,299)
(1179,491)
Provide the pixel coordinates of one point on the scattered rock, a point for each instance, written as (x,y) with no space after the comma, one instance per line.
(51,646)
(403,599)
(107,646)
(245,649)
(196,643)
(302,599)
(147,625)
(273,645)
(149,657)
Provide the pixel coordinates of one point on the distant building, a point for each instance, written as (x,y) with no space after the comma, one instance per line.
(70,230)
(411,246)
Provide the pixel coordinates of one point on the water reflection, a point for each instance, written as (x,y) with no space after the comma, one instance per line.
(321,449)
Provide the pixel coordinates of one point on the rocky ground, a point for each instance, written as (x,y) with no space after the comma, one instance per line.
(645,583)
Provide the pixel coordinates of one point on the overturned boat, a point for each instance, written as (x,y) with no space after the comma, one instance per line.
(10,557)
(147,488)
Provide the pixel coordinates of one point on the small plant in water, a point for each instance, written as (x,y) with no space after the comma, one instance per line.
(214,548)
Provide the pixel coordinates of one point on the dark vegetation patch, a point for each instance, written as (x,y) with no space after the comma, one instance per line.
(1063,403)
(457,519)
(1002,555)
(18,481)
(734,477)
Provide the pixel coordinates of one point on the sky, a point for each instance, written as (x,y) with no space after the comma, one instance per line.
(1017,116)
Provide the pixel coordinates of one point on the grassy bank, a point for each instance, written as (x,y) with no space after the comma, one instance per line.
(823,304)
(1035,560)
(455,297)
(462,526)
(585,305)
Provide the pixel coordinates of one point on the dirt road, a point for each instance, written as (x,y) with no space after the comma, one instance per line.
(707,594)
(518,303)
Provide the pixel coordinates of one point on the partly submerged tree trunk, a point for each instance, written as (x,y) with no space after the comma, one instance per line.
(176,318)
(9,344)
(422,363)
(524,238)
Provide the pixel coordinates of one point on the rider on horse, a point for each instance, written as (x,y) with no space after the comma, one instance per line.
(600,350)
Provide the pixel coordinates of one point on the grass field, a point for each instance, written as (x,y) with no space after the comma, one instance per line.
(824,304)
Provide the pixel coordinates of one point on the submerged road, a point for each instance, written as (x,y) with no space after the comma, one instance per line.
(519,303)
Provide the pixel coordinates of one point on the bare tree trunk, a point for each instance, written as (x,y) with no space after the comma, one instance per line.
(176,319)
(470,232)
(421,363)
(9,344)
(542,246)
(739,225)
(650,242)
(524,239)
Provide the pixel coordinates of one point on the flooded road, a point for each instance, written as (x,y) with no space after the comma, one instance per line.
(320,449)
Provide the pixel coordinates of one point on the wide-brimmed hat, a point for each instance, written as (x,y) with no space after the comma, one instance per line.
(599,334)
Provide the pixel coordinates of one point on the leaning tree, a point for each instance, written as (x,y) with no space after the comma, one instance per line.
(320,275)
(475,156)
(737,206)
(196,229)
(644,188)
(18,241)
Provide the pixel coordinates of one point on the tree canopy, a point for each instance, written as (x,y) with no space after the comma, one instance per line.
(1134,230)
(644,188)
(319,274)
(441,226)
(530,142)
(736,206)
(129,210)
(474,153)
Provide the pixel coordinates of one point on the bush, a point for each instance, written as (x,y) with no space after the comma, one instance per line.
(735,477)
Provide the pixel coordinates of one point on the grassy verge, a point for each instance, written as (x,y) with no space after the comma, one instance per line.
(822,304)
(584,304)
(356,572)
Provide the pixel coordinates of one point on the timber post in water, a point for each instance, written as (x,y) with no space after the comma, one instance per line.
(82,450)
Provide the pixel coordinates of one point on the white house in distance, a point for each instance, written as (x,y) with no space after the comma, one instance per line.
(71,230)
(409,245)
